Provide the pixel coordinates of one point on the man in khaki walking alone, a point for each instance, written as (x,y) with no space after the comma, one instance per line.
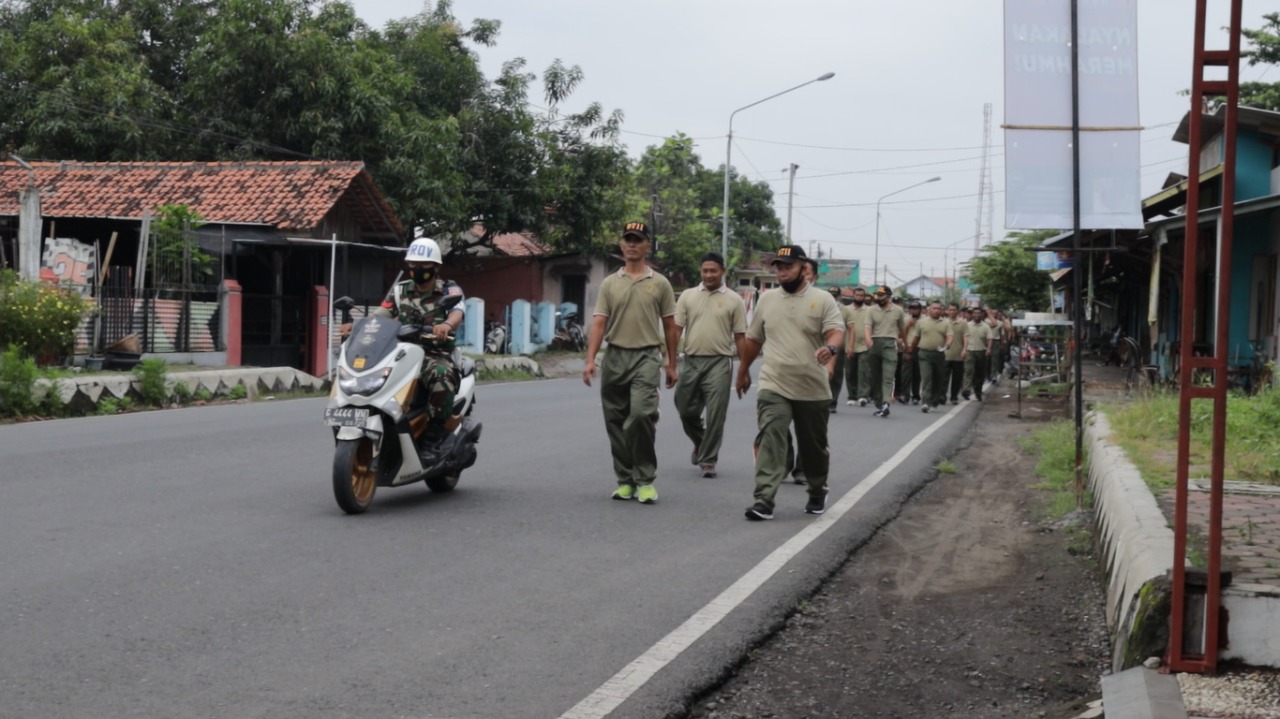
(635,312)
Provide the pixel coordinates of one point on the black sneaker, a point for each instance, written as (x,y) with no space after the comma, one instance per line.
(965,394)
(758,512)
(883,411)
(816,505)
(798,477)
(915,400)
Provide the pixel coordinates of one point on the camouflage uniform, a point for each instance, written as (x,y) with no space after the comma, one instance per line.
(439,376)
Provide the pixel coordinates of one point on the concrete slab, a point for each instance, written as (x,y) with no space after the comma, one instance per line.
(1142,693)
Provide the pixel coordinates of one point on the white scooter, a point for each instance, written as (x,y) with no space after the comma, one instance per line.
(378,412)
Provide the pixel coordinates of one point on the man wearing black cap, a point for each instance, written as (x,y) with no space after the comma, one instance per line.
(804,330)
(635,312)
(713,321)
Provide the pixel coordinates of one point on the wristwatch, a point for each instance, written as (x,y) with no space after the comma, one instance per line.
(833,350)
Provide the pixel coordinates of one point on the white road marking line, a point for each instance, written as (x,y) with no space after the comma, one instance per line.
(631,678)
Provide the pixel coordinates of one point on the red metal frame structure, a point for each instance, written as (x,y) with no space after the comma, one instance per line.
(1184,613)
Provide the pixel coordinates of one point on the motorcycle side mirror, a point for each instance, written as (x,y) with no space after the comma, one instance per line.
(450,301)
(344,303)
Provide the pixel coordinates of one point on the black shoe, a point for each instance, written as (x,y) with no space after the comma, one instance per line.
(883,411)
(915,400)
(833,409)
(758,512)
(966,394)
(816,505)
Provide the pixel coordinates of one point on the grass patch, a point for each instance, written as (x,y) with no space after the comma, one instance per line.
(1147,430)
(946,466)
(513,374)
(1056,444)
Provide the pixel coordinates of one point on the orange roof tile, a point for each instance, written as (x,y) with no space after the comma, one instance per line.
(285,195)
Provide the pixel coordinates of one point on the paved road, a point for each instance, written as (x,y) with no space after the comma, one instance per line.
(192,563)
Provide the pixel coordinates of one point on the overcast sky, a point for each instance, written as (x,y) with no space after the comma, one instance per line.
(905,105)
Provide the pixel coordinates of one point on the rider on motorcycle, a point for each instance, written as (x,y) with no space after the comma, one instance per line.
(416,301)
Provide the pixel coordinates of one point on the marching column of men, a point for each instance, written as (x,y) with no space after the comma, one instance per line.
(812,343)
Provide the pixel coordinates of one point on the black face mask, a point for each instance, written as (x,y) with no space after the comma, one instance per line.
(793,285)
(421,275)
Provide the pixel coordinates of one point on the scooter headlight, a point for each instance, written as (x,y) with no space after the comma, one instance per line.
(362,385)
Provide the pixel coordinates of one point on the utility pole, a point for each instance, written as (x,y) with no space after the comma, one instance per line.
(791,194)
(984,181)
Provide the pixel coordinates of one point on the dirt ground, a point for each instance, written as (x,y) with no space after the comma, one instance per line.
(969,604)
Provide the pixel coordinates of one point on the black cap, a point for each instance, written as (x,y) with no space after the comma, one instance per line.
(790,254)
(639,229)
(915,305)
(835,292)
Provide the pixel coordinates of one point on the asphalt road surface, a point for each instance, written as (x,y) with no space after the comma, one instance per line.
(192,563)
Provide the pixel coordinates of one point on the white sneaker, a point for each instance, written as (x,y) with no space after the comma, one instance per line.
(850,403)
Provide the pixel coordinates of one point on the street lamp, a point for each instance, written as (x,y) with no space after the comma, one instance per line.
(876,267)
(724,233)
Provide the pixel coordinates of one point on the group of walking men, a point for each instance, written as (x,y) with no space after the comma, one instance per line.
(809,340)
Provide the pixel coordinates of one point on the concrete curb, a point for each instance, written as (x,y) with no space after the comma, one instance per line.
(1136,540)
(85,393)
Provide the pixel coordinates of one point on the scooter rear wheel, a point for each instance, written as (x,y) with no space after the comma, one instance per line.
(354,480)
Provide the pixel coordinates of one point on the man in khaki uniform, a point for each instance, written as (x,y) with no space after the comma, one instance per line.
(713,321)
(977,348)
(908,383)
(635,312)
(855,348)
(930,341)
(885,325)
(955,353)
(803,329)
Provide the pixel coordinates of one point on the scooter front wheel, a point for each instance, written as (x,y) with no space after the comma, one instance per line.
(354,480)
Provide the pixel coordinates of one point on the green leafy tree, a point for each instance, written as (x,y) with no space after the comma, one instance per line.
(754,226)
(667,182)
(1265,50)
(1005,274)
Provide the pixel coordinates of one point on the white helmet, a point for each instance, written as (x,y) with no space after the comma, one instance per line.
(423,250)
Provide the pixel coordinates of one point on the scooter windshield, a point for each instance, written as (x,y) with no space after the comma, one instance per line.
(372,338)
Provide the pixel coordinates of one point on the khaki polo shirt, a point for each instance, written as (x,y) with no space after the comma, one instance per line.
(913,328)
(710,319)
(933,333)
(977,336)
(855,319)
(792,327)
(635,309)
(959,330)
(886,321)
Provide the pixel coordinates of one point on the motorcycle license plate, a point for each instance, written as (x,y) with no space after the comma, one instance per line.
(346,416)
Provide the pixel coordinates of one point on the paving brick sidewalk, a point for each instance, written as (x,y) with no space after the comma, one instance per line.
(1250,528)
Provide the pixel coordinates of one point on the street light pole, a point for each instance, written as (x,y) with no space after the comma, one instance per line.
(876,266)
(728,154)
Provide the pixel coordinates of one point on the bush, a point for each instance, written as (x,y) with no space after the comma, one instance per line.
(38,317)
(152,374)
(17,383)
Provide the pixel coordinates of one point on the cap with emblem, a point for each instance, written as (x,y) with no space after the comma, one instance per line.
(636,229)
(789,254)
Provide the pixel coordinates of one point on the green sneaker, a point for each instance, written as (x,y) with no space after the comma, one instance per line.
(624,492)
(647,494)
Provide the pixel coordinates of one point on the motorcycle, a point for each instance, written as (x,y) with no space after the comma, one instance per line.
(378,413)
(495,338)
(569,334)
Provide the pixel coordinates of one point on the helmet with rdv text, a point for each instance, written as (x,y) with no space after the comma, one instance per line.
(423,250)
(423,259)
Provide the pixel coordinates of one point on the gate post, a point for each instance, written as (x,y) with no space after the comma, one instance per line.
(231,304)
(316,357)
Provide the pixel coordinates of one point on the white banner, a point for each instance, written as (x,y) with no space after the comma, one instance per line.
(1038,162)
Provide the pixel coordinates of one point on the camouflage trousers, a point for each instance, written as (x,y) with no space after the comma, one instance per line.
(440,380)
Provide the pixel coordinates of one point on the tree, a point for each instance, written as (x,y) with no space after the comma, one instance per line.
(1265,51)
(1005,274)
(667,182)
(754,226)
